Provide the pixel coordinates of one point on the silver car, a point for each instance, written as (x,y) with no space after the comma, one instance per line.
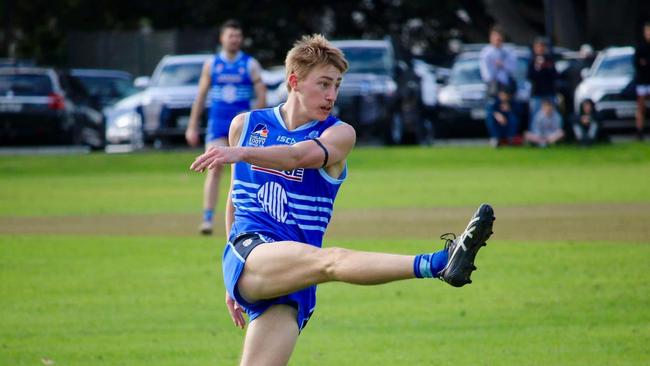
(608,83)
(160,112)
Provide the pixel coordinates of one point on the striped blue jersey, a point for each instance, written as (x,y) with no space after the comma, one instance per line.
(231,83)
(283,205)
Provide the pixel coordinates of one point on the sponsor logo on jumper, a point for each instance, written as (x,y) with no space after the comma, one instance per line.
(286,140)
(273,200)
(292,175)
(229,78)
(259,135)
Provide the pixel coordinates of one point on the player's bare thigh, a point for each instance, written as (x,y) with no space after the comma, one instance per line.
(271,338)
(280,268)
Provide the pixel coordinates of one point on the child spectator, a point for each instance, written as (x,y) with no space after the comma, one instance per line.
(546,128)
(586,123)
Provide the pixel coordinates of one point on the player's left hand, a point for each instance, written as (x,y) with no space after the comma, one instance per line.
(236,312)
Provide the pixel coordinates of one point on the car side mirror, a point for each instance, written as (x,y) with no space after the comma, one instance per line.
(584,73)
(141,82)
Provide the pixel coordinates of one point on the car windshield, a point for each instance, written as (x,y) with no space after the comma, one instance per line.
(25,84)
(179,75)
(466,71)
(107,87)
(371,60)
(612,66)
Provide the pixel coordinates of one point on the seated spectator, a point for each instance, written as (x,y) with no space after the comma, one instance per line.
(546,127)
(502,121)
(586,123)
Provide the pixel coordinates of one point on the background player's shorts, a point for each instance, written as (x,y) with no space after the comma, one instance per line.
(234,258)
(220,118)
(642,90)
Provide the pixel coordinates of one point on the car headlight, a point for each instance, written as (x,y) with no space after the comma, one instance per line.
(129,120)
(449,97)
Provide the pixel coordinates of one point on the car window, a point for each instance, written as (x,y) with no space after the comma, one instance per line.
(375,60)
(179,75)
(465,71)
(610,66)
(107,87)
(25,84)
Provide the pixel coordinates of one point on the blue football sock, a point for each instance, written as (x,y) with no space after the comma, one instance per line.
(207,215)
(429,264)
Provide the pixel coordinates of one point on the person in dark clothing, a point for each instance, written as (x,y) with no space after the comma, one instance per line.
(642,78)
(542,76)
(502,121)
(586,123)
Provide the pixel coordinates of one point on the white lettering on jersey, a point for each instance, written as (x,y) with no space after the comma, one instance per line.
(273,199)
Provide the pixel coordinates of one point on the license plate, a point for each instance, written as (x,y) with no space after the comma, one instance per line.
(477,113)
(10,107)
(625,112)
(182,121)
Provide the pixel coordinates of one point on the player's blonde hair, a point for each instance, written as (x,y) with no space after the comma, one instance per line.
(310,52)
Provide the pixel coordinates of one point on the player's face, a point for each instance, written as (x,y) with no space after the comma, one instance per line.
(231,39)
(318,91)
(646,33)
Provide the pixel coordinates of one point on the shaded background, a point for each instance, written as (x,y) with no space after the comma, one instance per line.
(133,35)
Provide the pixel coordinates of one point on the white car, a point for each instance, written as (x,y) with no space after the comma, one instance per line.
(608,83)
(161,111)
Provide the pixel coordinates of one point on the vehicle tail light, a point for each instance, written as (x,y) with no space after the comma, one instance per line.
(56,101)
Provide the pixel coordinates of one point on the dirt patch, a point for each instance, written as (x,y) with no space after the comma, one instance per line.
(610,222)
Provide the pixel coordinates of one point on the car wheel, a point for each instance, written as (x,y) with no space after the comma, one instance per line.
(395,130)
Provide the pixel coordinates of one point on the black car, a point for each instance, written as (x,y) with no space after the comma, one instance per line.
(39,105)
(106,87)
(380,93)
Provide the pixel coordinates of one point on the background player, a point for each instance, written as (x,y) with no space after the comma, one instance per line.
(288,163)
(231,80)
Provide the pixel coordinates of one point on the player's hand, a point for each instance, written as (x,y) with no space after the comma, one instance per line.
(236,312)
(192,136)
(214,157)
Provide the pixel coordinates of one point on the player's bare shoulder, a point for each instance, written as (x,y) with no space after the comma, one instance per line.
(342,134)
(236,128)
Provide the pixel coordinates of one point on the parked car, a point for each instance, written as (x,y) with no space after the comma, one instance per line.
(39,105)
(462,101)
(609,84)
(380,93)
(160,113)
(105,86)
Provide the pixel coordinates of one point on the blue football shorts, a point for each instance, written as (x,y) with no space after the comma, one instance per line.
(234,259)
(220,118)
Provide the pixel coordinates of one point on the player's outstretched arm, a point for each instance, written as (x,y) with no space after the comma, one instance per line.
(338,141)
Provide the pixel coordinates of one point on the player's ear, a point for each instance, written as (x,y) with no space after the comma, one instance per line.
(293,81)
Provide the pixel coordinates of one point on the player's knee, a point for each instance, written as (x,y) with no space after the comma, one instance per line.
(333,257)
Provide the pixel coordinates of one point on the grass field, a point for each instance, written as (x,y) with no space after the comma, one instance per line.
(100,264)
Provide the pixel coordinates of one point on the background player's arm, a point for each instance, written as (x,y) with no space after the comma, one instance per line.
(192,131)
(338,140)
(258,85)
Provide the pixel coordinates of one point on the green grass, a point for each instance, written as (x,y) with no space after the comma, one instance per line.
(155,300)
(400,177)
(143,300)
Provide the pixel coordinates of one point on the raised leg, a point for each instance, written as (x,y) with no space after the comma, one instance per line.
(280,268)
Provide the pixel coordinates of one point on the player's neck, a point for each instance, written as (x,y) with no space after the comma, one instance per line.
(292,115)
(230,55)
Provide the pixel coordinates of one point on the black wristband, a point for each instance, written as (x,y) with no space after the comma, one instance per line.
(327,154)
